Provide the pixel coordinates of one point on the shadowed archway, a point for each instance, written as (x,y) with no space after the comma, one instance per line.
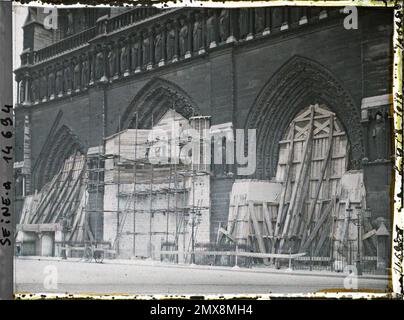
(153,101)
(58,147)
(299,83)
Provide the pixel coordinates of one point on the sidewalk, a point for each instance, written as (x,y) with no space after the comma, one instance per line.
(262,269)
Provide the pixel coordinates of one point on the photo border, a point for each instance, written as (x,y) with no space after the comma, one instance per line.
(396,282)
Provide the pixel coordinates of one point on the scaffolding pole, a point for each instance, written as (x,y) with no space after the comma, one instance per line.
(134,188)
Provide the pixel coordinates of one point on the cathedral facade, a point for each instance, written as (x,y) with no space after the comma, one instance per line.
(104,71)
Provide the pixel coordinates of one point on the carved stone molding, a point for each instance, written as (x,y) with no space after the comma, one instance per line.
(153,101)
(58,147)
(297,84)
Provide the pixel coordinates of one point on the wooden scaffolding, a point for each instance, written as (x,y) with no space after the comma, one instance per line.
(306,203)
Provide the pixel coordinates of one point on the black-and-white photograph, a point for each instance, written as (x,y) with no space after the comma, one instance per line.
(203,151)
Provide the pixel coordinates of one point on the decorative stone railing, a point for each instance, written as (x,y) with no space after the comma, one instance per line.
(137,41)
(64,45)
(127,18)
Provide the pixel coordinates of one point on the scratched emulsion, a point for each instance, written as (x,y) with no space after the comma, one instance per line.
(396,194)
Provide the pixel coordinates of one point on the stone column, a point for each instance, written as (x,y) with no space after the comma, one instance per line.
(232,26)
(116,49)
(140,55)
(250,34)
(151,50)
(27,90)
(158,46)
(33,88)
(203,40)
(91,63)
(189,39)
(45,84)
(27,154)
(211,25)
(268,21)
(138,38)
(285,19)
(176,27)
(84,74)
(303,16)
(51,82)
(163,46)
(19,84)
(104,78)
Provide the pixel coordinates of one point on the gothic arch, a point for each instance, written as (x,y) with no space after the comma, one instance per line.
(297,84)
(59,146)
(154,99)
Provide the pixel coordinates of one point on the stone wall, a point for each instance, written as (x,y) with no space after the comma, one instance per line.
(228,82)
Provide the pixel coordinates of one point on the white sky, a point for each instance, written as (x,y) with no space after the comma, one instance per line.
(19,16)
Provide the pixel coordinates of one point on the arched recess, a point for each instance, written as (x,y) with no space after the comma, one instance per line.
(59,146)
(153,101)
(298,83)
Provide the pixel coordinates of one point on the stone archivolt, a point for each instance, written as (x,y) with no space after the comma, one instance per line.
(297,84)
(58,147)
(156,98)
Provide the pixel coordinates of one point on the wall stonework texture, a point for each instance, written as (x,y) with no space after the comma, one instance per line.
(247,83)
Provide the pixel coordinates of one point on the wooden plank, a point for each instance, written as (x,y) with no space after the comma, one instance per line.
(325,233)
(347,219)
(317,227)
(257,231)
(66,172)
(267,221)
(318,187)
(302,193)
(50,216)
(45,200)
(279,217)
(236,210)
(371,240)
(77,217)
(296,188)
(72,195)
(38,227)
(369,234)
(88,231)
(299,209)
(267,218)
(223,231)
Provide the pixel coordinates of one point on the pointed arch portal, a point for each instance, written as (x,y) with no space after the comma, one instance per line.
(59,146)
(153,101)
(312,160)
(299,83)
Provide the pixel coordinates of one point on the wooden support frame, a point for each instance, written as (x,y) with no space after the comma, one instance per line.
(236,209)
(73,192)
(318,225)
(324,235)
(257,231)
(297,186)
(318,187)
(60,192)
(281,206)
(267,221)
(45,201)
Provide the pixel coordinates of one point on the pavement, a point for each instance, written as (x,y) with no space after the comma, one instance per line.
(256,269)
(55,275)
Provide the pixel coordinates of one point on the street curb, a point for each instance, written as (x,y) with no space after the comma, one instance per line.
(218,268)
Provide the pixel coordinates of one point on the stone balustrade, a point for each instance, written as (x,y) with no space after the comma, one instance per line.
(143,39)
